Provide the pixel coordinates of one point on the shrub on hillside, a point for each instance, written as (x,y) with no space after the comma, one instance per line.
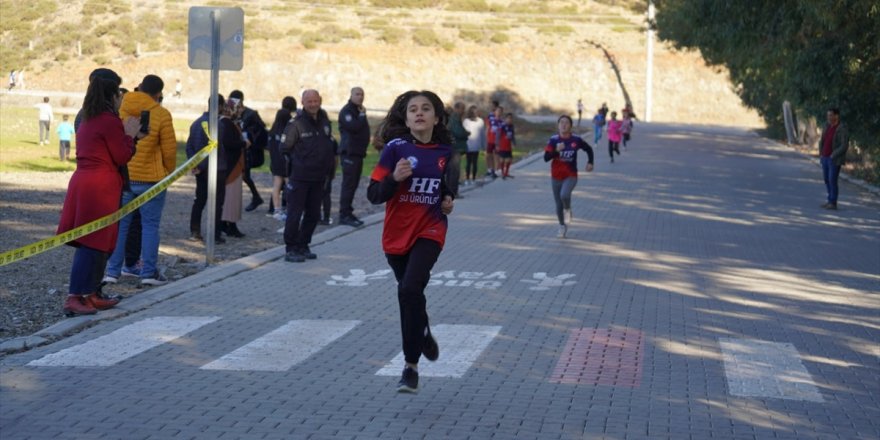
(391,35)
(92,46)
(414,4)
(500,38)
(94,7)
(468,6)
(426,37)
(471,35)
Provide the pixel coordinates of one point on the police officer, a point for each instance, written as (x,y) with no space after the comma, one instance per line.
(354,131)
(311,150)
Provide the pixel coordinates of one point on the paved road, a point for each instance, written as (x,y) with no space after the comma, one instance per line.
(701,293)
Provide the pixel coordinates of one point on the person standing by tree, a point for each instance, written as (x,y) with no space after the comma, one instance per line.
(409,179)
(354,137)
(832,154)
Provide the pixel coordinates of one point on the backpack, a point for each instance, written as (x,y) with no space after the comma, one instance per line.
(256,156)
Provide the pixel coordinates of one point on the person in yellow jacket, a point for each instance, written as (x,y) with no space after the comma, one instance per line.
(155,158)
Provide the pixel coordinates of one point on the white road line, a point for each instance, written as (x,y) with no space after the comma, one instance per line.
(125,342)
(757,368)
(284,347)
(460,346)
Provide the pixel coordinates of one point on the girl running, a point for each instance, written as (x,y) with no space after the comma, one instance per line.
(562,151)
(506,142)
(615,132)
(409,179)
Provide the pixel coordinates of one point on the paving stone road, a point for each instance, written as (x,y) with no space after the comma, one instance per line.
(701,293)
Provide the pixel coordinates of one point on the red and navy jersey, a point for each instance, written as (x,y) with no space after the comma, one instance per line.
(413,211)
(506,137)
(492,127)
(564,163)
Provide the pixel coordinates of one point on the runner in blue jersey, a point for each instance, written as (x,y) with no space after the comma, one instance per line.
(409,179)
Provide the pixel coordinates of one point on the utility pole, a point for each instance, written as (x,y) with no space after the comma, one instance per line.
(649,75)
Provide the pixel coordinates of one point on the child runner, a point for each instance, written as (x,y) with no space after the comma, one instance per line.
(615,132)
(65,132)
(598,123)
(409,179)
(493,121)
(562,150)
(506,142)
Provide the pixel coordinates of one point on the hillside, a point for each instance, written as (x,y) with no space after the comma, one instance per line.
(535,56)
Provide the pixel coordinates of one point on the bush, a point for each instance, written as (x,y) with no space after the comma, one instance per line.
(94,7)
(499,38)
(470,35)
(412,4)
(92,46)
(391,35)
(426,37)
(468,6)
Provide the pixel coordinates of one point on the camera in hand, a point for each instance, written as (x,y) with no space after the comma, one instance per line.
(145,121)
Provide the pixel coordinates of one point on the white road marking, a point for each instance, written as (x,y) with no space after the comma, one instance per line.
(460,346)
(284,347)
(125,342)
(757,368)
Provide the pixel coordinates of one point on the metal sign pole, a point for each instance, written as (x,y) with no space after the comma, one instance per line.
(213,119)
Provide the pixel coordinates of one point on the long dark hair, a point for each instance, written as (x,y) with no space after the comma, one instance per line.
(282,116)
(100,97)
(394,124)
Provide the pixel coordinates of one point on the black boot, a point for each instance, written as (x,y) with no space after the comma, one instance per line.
(256,201)
(232,230)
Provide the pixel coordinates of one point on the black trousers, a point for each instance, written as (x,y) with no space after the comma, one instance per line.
(326,203)
(201,200)
(413,271)
(133,240)
(246,178)
(471,165)
(352,168)
(303,210)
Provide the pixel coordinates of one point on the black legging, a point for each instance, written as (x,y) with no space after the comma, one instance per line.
(413,271)
(470,167)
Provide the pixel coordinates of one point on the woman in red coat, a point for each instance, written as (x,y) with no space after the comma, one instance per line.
(103,144)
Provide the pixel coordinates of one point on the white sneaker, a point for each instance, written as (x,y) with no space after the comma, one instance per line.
(281,230)
(562,230)
(281,216)
(109,279)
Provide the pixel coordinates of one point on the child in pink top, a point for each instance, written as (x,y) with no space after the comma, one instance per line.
(614,134)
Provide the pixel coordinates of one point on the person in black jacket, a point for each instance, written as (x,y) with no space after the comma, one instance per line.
(252,124)
(311,150)
(354,133)
(197,140)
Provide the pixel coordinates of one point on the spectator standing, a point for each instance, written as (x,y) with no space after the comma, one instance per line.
(492,124)
(11,80)
(45,116)
(409,179)
(506,142)
(252,124)
(459,146)
(65,132)
(196,141)
(832,154)
(561,152)
(178,89)
(476,141)
(277,163)
(308,143)
(105,144)
(235,143)
(615,133)
(156,158)
(354,137)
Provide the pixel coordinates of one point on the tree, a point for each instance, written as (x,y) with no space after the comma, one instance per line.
(816,54)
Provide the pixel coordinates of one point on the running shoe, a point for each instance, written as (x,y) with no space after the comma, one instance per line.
(156,280)
(409,381)
(430,348)
(562,230)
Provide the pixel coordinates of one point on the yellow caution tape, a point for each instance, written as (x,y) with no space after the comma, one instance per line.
(101,223)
